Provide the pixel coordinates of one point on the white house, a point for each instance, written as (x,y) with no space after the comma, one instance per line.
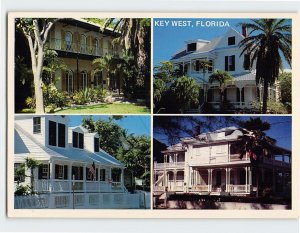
(74,171)
(209,164)
(223,53)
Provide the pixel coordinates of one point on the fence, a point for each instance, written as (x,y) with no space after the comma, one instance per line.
(84,201)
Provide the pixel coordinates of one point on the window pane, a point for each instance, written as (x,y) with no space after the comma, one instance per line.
(36,125)
(231,40)
(75,139)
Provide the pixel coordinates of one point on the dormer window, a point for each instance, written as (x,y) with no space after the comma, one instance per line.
(96,144)
(36,124)
(231,40)
(78,140)
(57,134)
(191,47)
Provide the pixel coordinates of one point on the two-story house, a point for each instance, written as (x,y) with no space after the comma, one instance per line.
(222,53)
(78,42)
(209,164)
(70,161)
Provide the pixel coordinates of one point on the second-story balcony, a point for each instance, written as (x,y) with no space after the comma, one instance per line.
(177,165)
(72,47)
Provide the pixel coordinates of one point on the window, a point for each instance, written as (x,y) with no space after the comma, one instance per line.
(98,79)
(77,172)
(97,47)
(102,174)
(191,47)
(19,169)
(52,133)
(43,170)
(78,140)
(231,40)
(247,61)
(84,79)
(69,41)
(36,124)
(70,82)
(96,144)
(61,135)
(83,48)
(230,63)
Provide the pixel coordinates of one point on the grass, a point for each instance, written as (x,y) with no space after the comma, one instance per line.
(114,108)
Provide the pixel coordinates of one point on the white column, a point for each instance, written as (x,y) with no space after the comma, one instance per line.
(70,176)
(240,89)
(229,182)
(246,169)
(250,178)
(98,179)
(226,179)
(208,179)
(52,175)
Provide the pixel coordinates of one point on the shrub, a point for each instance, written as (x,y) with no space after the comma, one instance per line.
(54,98)
(273,107)
(30,102)
(100,94)
(22,190)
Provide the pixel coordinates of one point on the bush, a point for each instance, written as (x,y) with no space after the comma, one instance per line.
(53,98)
(100,94)
(273,107)
(30,102)
(22,190)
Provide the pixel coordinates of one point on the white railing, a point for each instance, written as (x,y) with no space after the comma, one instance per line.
(200,188)
(169,165)
(238,188)
(41,185)
(92,186)
(86,201)
(61,186)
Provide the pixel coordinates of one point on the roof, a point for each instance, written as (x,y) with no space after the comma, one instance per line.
(249,76)
(27,145)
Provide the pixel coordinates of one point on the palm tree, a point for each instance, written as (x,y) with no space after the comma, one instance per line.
(31,164)
(222,77)
(107,64)
(268,40)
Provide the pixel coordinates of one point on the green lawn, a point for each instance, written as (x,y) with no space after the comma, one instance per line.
(114,108)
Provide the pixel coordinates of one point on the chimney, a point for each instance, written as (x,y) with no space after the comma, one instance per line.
(197,131)
(244,30)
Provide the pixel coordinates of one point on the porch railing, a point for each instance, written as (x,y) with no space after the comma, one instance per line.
(238,188)
(169,165)
(200,188)
(83,200)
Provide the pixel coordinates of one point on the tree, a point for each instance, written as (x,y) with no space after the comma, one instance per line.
(106,64)
(205,65)
(159,88)
(36,31)
(221,77)
(31,164)
(165,71)
(136,157)
(267,41)
(187,92)
(285,81)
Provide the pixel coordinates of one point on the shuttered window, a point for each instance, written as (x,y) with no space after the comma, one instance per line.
(96,144)
(43,170)
(61,135)
(75,139)
(52,133)
(230,63)
(36,124)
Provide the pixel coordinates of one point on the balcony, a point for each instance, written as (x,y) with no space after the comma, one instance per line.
(62,45)
(161,166)
(61,186)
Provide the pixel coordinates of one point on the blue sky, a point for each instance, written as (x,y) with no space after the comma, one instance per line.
(170,39)
(138,125)
(281,130)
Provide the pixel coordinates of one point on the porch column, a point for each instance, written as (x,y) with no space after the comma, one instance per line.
(229,169)
(98,178)
(122,176)
(250,179)
(52,172)
(208,179)
(175,179)
(240,90)
(70,176)
(226,179)
(109,178)
(84,178)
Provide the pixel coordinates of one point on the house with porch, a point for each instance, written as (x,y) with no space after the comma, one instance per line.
(73,171)
(222,53)
(78,42)
(210,164)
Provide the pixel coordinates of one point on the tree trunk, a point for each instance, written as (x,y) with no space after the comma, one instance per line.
(265,97)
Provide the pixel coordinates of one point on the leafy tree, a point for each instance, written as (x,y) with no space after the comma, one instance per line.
(205,65)
(159,88)
(187,92)
(31,164)
(285,81)
(36,31)
(112,136)
(165,71)
(136,157)
(268,39)
(221,77)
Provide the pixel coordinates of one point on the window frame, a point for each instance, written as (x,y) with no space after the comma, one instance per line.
(231,40)
(36,125)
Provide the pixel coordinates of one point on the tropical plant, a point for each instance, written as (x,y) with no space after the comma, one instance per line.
(205,65)
(165,71)
(31,164)
(285,82)
(268,41)
(187,92)
(159,88)
(36,31)
(222,78)
(30,102)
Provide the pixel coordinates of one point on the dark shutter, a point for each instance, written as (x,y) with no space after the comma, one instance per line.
(65,172)
(56,171)
(81,141)
(48,171)
(96,144)
(52,133)
(226,63)
(233,63)
(75,139)
(40,171)
(81,173)
(243,94)
(61,135)
(237,95)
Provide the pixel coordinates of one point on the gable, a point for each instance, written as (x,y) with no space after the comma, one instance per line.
(223,43)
